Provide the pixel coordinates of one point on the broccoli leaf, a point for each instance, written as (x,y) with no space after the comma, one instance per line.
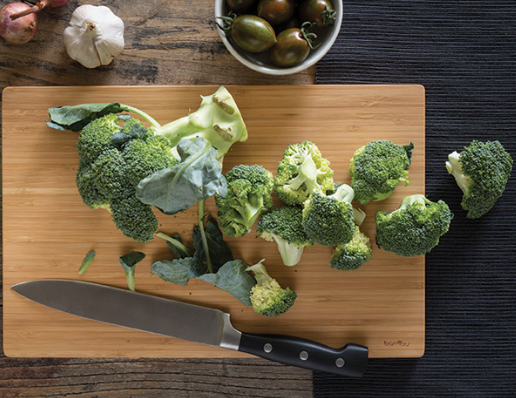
(233,278)
(175,271)
(219,251)
(74,118)
(197,177)
(228,274)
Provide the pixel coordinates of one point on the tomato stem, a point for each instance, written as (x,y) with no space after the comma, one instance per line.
(309,36)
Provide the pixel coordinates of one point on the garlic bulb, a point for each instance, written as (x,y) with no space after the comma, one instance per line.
(94,36)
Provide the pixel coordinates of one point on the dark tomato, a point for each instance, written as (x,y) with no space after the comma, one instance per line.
(240,6)
(276,11)
(319,12)
(291,48)
(252,33)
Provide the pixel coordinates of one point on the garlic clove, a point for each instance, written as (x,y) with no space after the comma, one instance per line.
(95,35)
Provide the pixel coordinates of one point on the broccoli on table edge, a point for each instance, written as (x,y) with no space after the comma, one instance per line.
(481,171)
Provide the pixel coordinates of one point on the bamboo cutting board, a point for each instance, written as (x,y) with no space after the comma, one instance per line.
(47,230)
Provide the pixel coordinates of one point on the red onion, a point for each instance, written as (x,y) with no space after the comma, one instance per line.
(39,6)
(18,31)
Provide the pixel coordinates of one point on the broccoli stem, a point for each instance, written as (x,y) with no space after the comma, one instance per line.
(307,172)
(144,115)
(410,200)
(290,254)
(455,168)
(260,272)
(344,193)
(203,237)
(178,245)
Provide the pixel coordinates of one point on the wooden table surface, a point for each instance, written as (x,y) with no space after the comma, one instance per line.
(167,43)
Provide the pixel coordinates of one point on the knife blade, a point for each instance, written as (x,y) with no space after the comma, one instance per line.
(188,322)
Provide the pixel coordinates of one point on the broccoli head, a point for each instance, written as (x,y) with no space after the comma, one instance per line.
(284,225)
(301,171)
(329,219)
(481,171)
(249,190)
(268,298)
(377,168)
(414,228)
(353,254)
(122,153)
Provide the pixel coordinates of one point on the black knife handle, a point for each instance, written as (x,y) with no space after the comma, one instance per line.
(350,360)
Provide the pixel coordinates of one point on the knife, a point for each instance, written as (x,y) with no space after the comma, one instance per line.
(188,322)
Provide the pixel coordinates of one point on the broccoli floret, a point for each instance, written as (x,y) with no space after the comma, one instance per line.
(284,225)
(268,298)
(144,158)
(95,138)
(377,168)
(134,219)
(301,171)
(481,171)
(353,254)
(414,228)
(248,196)
(328,219)
(86,185)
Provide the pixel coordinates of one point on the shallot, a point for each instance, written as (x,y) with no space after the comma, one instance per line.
(19,30)
(39,6)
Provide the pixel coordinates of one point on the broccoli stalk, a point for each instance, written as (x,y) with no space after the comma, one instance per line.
(481,171)
(329,220)
(218,120)
(414,228)
(268,298)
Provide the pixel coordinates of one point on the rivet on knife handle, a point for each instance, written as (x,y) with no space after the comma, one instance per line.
(350,360)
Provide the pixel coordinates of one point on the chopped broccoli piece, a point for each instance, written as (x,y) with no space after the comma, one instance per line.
(301,171)
(329,219)
(248,196)
(353,254)
(284,225)
(377,168)
(268,298)
(414,228)
(481,171)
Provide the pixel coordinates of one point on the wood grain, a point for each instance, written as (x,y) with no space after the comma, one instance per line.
(167,42)
(48,230)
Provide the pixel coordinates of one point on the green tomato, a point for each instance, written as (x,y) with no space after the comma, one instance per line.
(291,49)
(240,6)
(318,12)
(252,33)
(276,12)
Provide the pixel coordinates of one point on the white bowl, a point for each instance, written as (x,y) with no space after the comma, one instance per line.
(260,62)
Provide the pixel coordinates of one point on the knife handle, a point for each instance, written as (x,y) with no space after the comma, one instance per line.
(350,360)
